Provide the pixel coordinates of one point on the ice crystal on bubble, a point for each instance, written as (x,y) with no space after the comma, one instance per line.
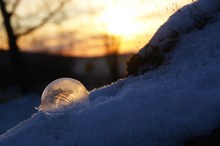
(63,92)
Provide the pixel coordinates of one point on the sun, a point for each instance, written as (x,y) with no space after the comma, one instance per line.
(119,21)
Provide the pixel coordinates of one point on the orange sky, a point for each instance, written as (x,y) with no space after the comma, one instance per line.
(134,21)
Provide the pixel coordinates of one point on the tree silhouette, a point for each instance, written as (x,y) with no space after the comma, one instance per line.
(112,45)
(13,35)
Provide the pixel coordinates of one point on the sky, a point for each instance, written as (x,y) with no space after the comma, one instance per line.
(134,22)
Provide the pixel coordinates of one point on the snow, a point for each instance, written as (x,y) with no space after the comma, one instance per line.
(162,107)
(17,110)
(184,20)
(63,93)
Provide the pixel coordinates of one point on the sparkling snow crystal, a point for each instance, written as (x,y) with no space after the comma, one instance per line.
(62,93)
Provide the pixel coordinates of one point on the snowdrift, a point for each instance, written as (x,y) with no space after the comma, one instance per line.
(188,19)
(165,106)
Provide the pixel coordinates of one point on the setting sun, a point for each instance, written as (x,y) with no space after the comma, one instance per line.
(119,21)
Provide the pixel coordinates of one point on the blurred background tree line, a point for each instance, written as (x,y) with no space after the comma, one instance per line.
(29,71)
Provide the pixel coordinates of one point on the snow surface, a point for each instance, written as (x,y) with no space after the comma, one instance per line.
(161,107)
(12,113)
(184,20)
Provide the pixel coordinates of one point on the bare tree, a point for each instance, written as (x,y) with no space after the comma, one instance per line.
(112,45)
(9,12)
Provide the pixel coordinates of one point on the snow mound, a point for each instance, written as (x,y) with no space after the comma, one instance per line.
(23,107)
(161,107)
(187,19)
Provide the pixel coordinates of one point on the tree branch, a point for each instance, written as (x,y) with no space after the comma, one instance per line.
(45,20)
(14,7)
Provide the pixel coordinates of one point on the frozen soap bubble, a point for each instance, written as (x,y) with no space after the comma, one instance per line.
(62,93)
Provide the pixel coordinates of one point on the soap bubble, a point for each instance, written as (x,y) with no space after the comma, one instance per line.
(62,93)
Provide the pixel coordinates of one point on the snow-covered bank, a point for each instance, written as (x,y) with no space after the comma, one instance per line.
(189,18)
(161,107)
(11,113)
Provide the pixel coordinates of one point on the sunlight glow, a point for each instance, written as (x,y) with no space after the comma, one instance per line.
(80,35)
(119,21)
